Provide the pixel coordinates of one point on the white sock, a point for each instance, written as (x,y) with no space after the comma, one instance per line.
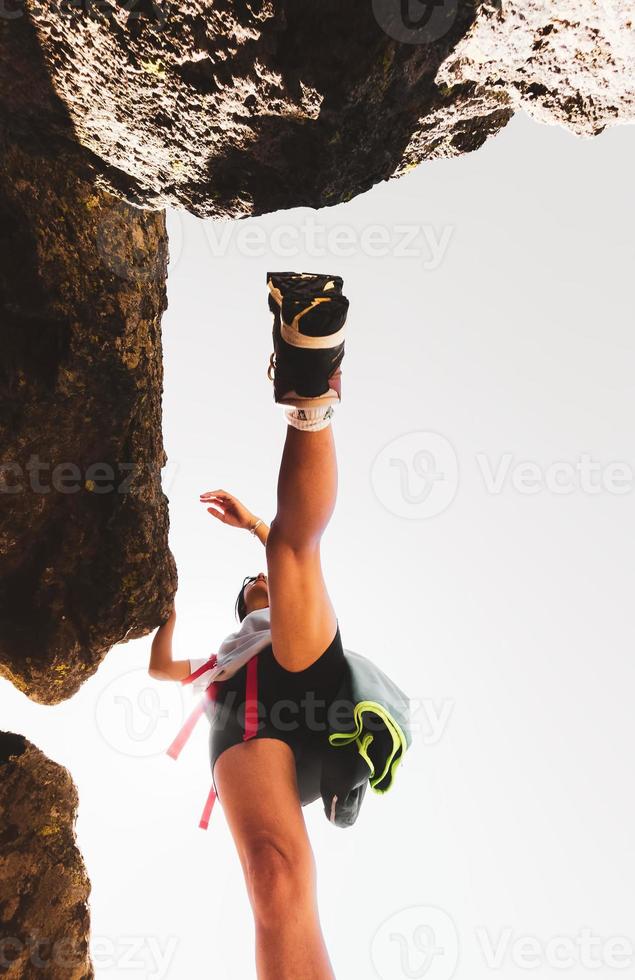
(309,419)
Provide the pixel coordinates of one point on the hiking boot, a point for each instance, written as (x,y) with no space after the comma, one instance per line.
(308,338)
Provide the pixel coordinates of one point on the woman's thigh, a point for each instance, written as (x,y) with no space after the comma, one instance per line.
(303,621)
(257,788)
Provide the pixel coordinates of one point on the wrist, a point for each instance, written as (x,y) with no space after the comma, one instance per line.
(254,524)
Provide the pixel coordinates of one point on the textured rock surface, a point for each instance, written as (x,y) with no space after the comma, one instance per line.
(84,559)
(571,63)
(44,917)
(225,108)
(234,108)
(446,131)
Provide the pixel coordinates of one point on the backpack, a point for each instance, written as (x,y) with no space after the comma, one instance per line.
(368,735)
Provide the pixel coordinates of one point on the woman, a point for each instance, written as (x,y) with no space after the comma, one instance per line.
(257,779)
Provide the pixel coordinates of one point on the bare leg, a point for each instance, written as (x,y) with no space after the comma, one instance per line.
(303,621)
(257,785)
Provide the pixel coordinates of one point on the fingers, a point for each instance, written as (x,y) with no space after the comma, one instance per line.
(215,502)
(216,499)
(222,505)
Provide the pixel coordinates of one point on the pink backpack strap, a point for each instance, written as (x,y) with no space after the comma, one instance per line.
(207,810)
(251,728)
(251,699)
(177,745)
(251,720)
(208,665)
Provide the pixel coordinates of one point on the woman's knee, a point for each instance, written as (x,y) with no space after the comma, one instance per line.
(280,874)
(289,542)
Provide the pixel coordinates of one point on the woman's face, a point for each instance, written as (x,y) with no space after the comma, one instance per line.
(256,593)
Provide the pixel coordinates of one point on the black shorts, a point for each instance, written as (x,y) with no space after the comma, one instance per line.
(292,707)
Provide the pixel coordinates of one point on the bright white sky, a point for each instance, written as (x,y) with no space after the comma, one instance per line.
(481,553)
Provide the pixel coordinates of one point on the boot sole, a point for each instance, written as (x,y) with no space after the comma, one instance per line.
(291,335)
(290,332)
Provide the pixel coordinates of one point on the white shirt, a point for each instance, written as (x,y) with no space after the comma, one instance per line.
(236,649)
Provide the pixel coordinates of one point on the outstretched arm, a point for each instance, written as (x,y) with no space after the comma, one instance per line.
(229,510)
(162,665)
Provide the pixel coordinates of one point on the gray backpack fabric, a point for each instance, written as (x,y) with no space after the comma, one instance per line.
(369,733)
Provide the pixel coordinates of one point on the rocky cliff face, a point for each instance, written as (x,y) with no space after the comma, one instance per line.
(570,63)
(44,917)
(83,525)
(231,109)
(223,108)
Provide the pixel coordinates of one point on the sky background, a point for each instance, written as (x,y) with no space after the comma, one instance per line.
(481,554)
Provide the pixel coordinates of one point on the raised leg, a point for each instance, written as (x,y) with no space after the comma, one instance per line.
(303,621)
(257,787)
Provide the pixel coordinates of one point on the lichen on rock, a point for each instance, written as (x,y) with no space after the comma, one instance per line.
(44,889)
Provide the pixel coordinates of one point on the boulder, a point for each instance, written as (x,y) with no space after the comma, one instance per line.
(233,109)
(84,558)
(44,889)
(570,63)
